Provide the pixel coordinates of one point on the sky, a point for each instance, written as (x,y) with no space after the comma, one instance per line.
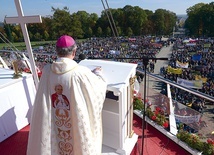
(43,7)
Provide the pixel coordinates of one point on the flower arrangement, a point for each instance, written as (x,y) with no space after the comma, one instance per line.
(193,140)
(157,116)
(39,72)
(138,103)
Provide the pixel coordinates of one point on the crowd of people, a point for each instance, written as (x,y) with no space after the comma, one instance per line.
(117,49)
(133,49)
(198,64)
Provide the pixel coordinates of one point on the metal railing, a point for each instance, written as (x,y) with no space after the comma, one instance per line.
(193,121)
(195,92)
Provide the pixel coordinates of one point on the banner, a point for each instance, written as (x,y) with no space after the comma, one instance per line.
(174,70)
(208,45)
(205,50)
(198,77)
(190,44)
(197,84)
(196,57)
(182,65)
(187,119)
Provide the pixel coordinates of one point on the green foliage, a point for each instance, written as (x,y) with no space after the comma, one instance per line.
(194,142)
(61,21)
(129,21)
(138,104)
(34,44)
(208,149)
(163,21)
(157,116)
(200,19)
(7,29)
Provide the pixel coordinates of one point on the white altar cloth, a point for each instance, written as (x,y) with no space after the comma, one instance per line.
(117,74)
(17,97)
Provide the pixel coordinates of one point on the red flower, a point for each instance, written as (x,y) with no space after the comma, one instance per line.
(27,70)
(39,74)
(166,124)
(156,112)
(158,109)
(154,118)
(210,141)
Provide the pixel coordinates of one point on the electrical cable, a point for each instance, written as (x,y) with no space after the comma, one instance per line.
(8,42)
(110,19)
(106,11)
(4,40)
(115,28)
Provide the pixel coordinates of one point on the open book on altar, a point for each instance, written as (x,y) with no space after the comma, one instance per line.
(117,113)
(116,74)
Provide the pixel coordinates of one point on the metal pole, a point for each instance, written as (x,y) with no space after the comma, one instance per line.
(145,63)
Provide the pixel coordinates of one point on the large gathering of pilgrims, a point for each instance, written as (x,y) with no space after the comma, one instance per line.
(193,57)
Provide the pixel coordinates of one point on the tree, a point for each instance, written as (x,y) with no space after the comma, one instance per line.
(108,31)
(158,19)
(92,20)
(83,17)
(137,18)
(129,32)
(207,17)
(17,33)
(7,29)
(163,21)
(47,23)
(2,32)
(148,27)
(99,32)
(62,23)
(194,21)
(37,36)
(37,29)
(76,29)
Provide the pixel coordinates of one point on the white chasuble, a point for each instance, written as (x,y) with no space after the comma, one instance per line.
(66,117)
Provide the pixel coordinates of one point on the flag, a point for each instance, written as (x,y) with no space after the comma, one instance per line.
(198,77)
(174,70)
(182,65)
(196,57)
(207,45)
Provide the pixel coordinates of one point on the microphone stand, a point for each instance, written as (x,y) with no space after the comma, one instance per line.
(145,60)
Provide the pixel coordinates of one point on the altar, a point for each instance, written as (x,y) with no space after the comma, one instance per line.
(117,113)
(17,97)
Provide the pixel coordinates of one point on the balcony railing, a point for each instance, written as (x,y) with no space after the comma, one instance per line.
(179,109)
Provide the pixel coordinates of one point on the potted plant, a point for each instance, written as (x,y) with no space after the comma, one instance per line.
(138,103)
(193,140)
(157,116)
